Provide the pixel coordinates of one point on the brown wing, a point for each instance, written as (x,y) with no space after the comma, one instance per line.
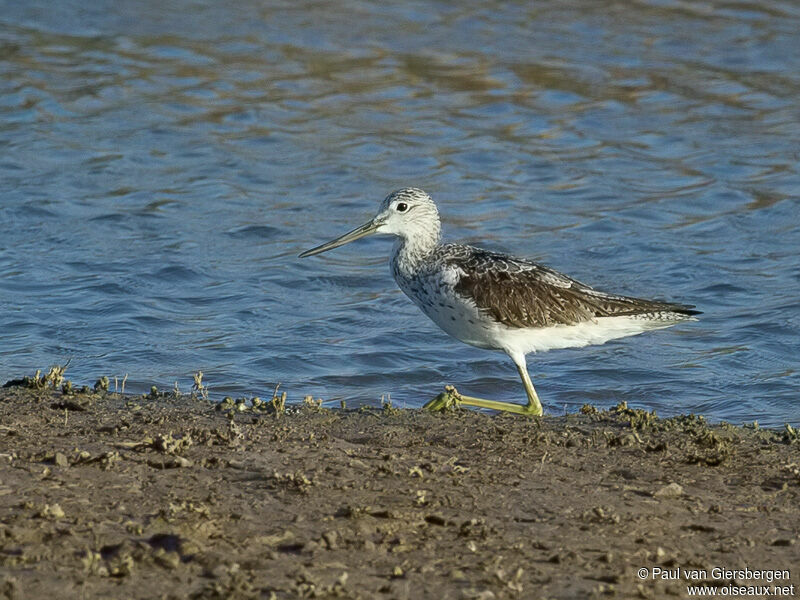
(519,293)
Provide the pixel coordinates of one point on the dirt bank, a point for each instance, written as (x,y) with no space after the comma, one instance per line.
(104,496)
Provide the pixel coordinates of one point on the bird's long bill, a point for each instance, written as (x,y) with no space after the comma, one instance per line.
(366,229)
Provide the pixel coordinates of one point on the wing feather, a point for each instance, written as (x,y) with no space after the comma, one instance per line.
(520,293)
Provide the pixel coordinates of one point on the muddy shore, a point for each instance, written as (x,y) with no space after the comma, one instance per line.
(168,496)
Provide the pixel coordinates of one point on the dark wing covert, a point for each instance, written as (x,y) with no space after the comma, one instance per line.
(519,293)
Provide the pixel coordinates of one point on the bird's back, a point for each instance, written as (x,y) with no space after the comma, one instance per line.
(520,293)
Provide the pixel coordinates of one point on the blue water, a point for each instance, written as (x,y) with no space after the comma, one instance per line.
(163,163)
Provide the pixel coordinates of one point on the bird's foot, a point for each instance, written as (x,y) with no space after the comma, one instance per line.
(448,400)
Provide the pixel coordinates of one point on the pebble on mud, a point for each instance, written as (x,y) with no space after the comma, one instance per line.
(51,511)
(672,490)
(60,460)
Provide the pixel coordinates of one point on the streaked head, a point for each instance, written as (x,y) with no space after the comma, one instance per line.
(408,213)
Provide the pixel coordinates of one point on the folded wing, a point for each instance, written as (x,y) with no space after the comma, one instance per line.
(519,293)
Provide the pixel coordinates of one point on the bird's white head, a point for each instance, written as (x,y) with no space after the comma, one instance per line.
(408,213)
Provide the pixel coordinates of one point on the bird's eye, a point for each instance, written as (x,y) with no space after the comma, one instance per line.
(401,207)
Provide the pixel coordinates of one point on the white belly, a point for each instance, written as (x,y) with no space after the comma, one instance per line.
(462,320)
(598,331)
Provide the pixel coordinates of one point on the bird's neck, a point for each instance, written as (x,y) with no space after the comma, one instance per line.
(410,252)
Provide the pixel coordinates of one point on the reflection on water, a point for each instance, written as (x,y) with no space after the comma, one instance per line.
(163,163)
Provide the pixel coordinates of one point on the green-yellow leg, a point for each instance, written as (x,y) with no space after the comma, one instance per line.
(450,398)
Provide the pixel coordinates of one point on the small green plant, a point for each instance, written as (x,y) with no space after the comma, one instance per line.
(198,389)
(386,405)
(309,402)
(102,384)
(54,378)
(278,402)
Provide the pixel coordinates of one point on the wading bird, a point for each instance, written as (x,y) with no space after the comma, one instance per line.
(496,301)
